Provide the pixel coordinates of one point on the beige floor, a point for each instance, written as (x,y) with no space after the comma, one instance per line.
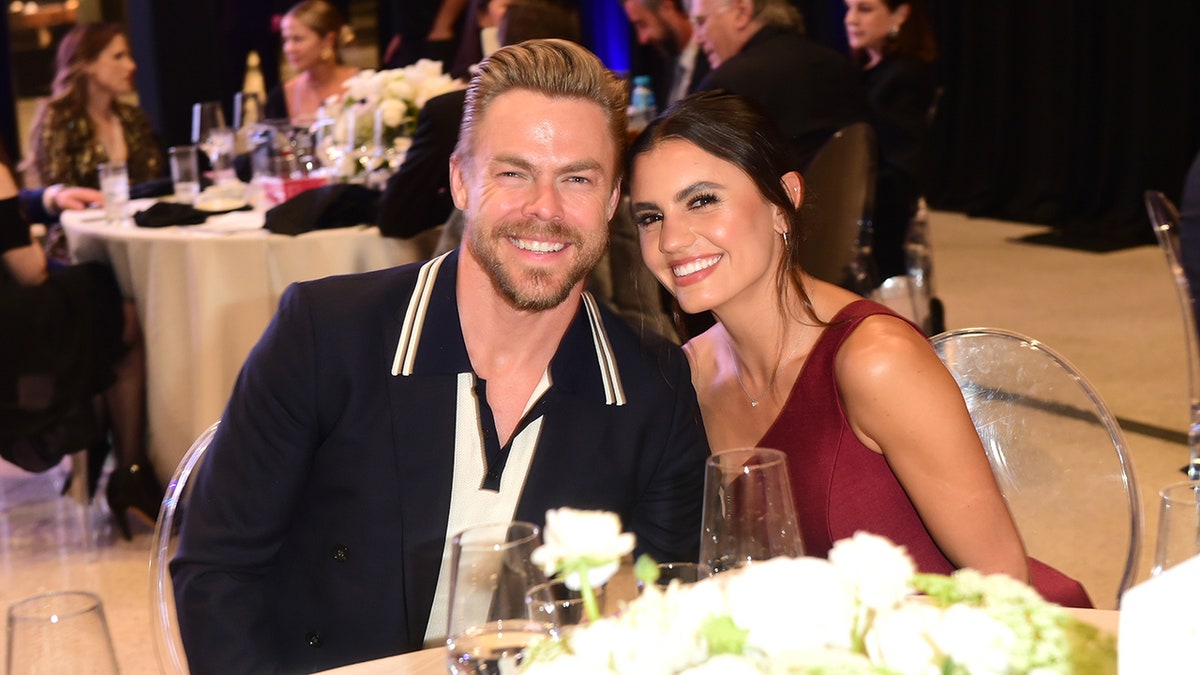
(1114,315)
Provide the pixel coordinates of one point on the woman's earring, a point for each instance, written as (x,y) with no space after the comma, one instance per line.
(785,238)
(894,32)
(327,54)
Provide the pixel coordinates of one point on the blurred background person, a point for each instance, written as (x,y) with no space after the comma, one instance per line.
(417,196)
(892,42)
(757,49)
(313,31)
(665,26)
(85,122)
(72,363)
(423,29)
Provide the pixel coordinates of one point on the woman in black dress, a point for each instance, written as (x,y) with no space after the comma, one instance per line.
(72,365)
(892,41)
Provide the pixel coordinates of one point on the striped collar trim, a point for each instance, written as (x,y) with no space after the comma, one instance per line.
(414,321)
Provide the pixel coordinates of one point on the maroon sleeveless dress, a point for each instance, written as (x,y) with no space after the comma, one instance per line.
(841,486)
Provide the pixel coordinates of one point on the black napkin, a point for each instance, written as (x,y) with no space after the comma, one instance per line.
(165,214)
(155,187)
(324,208)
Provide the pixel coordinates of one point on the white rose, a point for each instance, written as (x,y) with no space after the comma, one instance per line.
(879,570)
(394,112)
(974,639)
(725,664)
(591,538)
(899,639)
(791,604)
(400,89)
(359,85)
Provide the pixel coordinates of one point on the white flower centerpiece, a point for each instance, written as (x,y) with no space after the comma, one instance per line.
(585,548)
(374,119)
(864,610)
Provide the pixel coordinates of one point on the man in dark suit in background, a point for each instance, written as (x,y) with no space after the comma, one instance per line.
(417,196)
(665,26)
(757,50)
(382,413)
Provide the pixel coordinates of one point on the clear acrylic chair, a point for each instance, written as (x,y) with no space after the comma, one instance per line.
(167,643)
(838,203)
(1165,220)
(1057,453)
(15,493)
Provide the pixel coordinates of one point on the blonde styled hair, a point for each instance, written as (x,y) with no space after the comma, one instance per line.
(553,68)
(323,18)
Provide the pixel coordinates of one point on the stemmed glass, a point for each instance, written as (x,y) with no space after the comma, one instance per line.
(214,138)
(491,574)
(61,632)
(1178,525)
(749,515)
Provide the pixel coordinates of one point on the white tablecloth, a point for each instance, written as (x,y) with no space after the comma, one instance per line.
(204,295)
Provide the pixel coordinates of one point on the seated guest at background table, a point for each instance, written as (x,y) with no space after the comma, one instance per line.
(875,428)
(313,31)
(756,50)
(892,41)
(85,123)
(417,196)
(681,66)
(382,413)
(72,366)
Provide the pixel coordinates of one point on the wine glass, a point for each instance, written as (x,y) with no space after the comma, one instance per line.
(1178,525)
(214,138)
(491,574)
(749,515)
(557,606)
(60,632)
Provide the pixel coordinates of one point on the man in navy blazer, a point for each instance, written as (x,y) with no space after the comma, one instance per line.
(381,413)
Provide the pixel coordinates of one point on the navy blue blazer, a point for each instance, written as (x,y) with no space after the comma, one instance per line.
(314,534)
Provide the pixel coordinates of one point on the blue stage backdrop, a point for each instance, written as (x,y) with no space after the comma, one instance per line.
(607,32)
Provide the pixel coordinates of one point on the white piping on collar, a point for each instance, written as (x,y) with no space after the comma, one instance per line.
(414,318)
(414,321)
(614,392)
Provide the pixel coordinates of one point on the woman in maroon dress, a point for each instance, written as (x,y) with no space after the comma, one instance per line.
(875,427)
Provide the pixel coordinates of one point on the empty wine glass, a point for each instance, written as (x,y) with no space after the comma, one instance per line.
(749,515)
(61,633)
(214,138)
(1178,525)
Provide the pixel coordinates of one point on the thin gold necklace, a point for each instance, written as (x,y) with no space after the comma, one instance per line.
(754,400)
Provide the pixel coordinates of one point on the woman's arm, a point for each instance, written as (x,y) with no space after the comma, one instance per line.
(901,401)
(25,261)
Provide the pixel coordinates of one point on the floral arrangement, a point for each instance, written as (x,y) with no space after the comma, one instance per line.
(864,610)
(389,99)
(584,547)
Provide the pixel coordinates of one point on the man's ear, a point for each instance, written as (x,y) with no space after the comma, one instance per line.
(458,187)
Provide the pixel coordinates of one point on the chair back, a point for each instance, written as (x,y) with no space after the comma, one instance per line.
(1165,220)
(167,643)
(1057,453)
(839,200)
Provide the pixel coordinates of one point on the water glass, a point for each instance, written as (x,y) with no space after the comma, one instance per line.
(683,572)
(114,184)
(214,138)
(557,606)
(491,574)
(1178,525)
(749,515)
(185,173)
(61,633)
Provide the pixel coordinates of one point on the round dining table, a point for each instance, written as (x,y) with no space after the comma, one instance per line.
(205,293)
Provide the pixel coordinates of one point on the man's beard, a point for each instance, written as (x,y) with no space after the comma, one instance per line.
(534,289)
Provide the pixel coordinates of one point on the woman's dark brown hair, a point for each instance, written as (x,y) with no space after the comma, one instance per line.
(736,130)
